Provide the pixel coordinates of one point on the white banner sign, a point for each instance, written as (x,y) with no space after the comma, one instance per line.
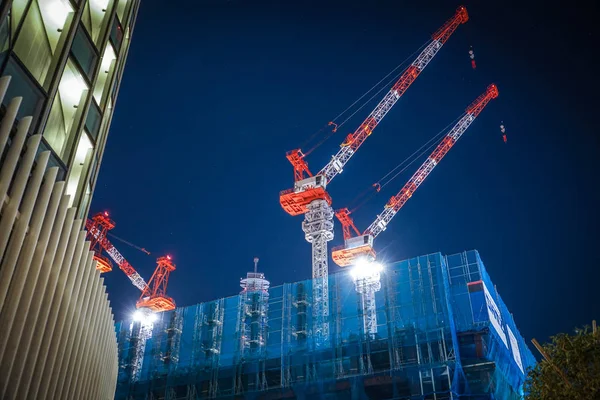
(494,315)
(514,345)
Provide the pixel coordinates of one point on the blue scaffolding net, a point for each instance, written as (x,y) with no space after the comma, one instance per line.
(442,332)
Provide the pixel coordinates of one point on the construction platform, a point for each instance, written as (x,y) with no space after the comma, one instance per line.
(443,332)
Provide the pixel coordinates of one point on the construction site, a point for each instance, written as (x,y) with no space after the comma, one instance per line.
(438,330)
(430,327)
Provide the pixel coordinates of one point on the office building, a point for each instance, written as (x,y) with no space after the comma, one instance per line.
(61,62)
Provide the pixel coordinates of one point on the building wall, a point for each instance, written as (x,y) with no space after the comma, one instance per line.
(66,59)
(61,62)
(435,340)
(57,337)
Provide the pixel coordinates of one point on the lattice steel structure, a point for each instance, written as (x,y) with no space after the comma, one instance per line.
(443,332)
(309,195)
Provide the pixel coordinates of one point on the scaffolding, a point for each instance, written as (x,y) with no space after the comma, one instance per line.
(442,332)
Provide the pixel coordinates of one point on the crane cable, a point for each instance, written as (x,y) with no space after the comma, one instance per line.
(128,243)
(337,126)
(377,84)
(417,154)
(421,152)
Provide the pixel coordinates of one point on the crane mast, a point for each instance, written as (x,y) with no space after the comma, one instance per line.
(362,245)
(309,195)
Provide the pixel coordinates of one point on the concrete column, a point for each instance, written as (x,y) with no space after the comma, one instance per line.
(92,343)
(91,388)
(14,288)
(71,256)
(73,319)
(8,121)
(29,243)
(96,340)
(23,302)
(83,352)
(42,364)
(21,179)
(4,82)
(20,229)
(55,292)
(40,331)
(12,158)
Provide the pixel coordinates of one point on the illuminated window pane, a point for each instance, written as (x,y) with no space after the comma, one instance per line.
(106,70)
(95,16)
(16,13)
(123,7)
(66,111)
(41,38)
(78,169)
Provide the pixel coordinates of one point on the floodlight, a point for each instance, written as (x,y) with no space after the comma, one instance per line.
(138,316)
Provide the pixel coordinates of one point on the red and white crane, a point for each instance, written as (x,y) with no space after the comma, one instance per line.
(362,244)
(309,195)
(153,295)
(358,251)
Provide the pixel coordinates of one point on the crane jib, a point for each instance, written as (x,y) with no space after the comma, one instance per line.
(398,201)
(338,161)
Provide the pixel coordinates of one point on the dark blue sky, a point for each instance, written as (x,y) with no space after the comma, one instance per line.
(215,92)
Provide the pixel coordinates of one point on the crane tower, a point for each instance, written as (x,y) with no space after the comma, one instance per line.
(358,251)
(309,195)
(254,307)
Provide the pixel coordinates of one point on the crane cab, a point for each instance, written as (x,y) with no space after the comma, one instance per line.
(353,248)
(305,191)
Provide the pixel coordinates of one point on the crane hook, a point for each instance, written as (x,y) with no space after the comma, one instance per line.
(335,126)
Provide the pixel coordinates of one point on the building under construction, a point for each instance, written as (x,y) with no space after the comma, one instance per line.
(440,331)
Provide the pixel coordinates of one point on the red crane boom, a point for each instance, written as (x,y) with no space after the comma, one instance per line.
(154,292)
(362,245)
(308,188)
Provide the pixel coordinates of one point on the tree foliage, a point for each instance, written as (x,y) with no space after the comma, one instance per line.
(572,370)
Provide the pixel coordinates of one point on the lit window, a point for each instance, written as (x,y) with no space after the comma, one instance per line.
(78,169)
(95,17)
(123,8)
(106,70)
(16,13)
(66,111)
(44,28)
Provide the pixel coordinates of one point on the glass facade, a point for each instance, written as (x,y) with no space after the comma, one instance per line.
(443,332)
(66,59)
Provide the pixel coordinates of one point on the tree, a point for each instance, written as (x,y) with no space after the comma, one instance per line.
(570,368)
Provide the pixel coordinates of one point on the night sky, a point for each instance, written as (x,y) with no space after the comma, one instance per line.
(215,92)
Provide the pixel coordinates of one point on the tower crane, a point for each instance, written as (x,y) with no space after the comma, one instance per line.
(153,295)
(358,251)
(362,244)
(309,195)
